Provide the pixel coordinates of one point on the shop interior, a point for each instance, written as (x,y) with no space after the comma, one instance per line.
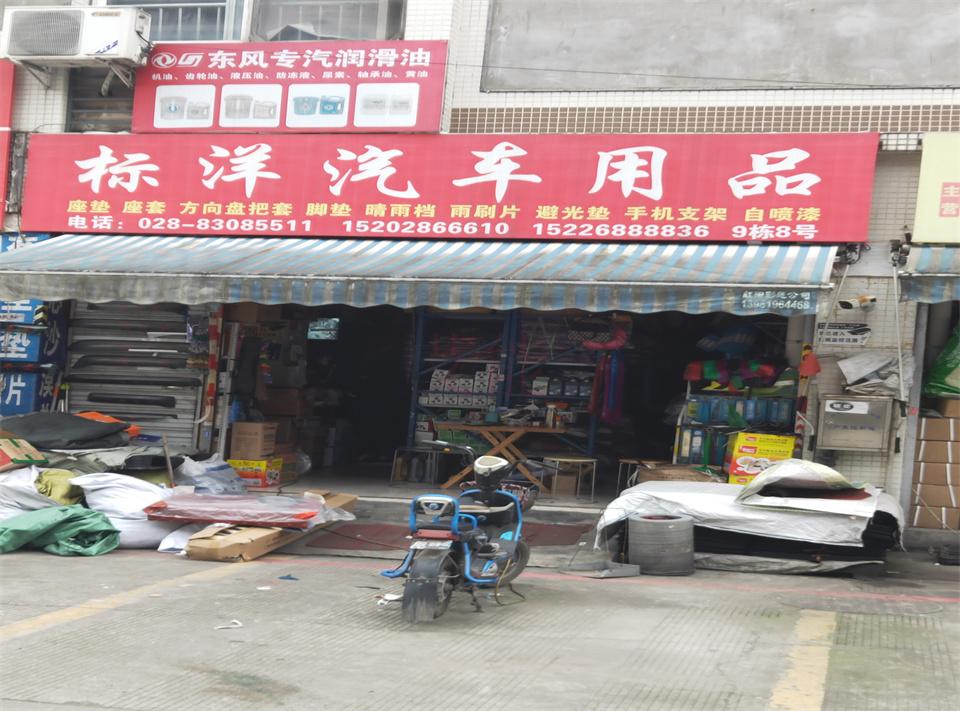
(360,391)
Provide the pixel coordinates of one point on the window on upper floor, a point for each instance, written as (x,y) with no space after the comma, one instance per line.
(278,20)
(196,21)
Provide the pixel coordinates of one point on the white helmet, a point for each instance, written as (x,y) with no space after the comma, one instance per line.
(487,465)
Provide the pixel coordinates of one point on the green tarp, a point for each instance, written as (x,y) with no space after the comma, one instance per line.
(62,530)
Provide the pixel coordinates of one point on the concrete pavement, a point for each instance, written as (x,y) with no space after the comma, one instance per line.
(137,630)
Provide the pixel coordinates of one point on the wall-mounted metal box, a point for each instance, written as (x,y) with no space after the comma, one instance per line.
(854,422)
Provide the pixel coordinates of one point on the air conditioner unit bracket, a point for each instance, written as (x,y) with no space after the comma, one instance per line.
(120,72)
(44,75)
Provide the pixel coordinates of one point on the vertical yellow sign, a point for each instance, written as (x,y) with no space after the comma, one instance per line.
(938,197)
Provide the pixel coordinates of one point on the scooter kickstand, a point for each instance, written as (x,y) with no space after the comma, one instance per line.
(477,607)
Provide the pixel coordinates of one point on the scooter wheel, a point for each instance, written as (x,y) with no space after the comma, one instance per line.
(429,587)
(519,561)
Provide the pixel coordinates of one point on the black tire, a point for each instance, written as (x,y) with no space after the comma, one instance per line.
(429,586)
(519,561)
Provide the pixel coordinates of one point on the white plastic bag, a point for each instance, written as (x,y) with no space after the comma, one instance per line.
(209,476)
(123,498)
(304,463)
(141,533)
(18,493)
(119,495)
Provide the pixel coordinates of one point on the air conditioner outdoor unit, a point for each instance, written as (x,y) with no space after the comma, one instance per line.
(75,36)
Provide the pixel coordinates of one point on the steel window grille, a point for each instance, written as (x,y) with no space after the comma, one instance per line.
(328,19)
(200,20)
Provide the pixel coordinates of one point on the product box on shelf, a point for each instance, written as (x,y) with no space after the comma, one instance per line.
(690,448)
(941,429)
(938,452)
(438,379)
(749,453)
(541,386)
(252,440)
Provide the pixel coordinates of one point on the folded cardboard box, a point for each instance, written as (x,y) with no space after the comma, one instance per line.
(565,484)
(941,429)
(936,473)
(934,517)
(252,440)
(18,453)
(936,496)
(224,542)
(933,451)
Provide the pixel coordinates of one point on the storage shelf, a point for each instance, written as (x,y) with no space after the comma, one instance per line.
(455,407)
(525,396)
(555,363)
(453,359)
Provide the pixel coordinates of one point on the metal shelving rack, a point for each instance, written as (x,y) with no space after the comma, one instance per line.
(510,362)
(423,366)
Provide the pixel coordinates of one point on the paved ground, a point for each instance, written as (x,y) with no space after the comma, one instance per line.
(136,630)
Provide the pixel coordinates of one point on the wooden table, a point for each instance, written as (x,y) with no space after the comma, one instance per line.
(504,440)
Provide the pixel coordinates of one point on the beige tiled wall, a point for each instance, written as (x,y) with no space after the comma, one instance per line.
(37,109)
(470,110)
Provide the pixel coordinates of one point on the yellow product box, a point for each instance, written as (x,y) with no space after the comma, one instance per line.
(258,473)
(749,453)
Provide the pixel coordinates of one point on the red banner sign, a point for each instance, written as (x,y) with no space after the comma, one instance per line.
(299,87)
(6,126)
(782,188)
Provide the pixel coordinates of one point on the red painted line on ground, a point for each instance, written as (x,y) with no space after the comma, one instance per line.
(677,582)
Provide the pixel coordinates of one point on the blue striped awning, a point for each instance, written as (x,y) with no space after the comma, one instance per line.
(642,278)
(932,274)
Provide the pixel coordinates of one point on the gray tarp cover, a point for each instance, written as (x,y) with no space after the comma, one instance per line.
(58,430)
(730,507)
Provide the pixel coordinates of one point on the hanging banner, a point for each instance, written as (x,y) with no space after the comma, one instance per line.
(298,87)
(938,195)
(718,187)
(6,128)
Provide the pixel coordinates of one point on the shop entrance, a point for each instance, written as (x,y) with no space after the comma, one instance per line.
(359,391)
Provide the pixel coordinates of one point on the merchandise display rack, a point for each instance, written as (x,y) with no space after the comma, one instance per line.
(512,363)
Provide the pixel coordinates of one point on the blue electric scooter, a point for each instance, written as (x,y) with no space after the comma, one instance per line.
(471,541)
